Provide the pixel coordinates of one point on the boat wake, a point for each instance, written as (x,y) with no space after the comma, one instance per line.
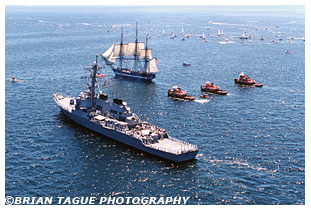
(226,42)
(201,101)
(239,164)
(225,24)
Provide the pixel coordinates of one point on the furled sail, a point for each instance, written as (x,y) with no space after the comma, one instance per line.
(152,66)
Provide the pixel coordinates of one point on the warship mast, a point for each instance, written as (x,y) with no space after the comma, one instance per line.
(94,69)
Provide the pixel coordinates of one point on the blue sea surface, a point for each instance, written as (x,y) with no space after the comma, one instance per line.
(252,141)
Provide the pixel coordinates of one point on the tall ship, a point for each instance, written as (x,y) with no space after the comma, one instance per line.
(131,60)
(114,119)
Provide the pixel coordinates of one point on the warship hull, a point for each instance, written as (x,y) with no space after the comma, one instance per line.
(129,140)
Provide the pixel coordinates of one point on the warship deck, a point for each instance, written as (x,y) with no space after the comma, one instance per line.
(173,146)
(64,102)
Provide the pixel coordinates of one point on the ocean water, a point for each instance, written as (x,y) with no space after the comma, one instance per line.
(252,141)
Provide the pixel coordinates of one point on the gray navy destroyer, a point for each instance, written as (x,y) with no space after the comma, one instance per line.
(92,109)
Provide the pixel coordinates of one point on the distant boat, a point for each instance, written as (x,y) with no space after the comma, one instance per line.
(186,64)
(13,79)
(262,39)
(163,33)
(183,39)
(227,42)
(219,34)
(287,51)
(204,39)
(243,36)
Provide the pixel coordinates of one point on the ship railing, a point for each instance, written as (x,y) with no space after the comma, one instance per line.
(173,151)
(65,95)
(184,142)
(113,127)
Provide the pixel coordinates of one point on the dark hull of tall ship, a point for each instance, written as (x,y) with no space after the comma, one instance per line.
(134,74)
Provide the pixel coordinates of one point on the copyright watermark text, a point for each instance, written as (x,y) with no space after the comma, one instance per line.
(10,200)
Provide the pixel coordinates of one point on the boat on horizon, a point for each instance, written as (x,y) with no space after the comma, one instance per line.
(131,60)
(93,110)
(243,36)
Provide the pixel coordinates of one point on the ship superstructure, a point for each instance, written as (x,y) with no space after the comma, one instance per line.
(93,110)
(132,60)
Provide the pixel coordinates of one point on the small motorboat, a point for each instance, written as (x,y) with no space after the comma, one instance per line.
(176,92)
(211,88)
(287,52)
(204,96)
(245,80)
(186,64)
(13,79)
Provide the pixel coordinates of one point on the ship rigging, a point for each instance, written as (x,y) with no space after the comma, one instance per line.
(132,60)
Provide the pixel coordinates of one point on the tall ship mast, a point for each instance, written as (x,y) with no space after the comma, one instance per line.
(114,119)
(132,60)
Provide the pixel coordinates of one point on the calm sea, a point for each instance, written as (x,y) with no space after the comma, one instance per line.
(252,141)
